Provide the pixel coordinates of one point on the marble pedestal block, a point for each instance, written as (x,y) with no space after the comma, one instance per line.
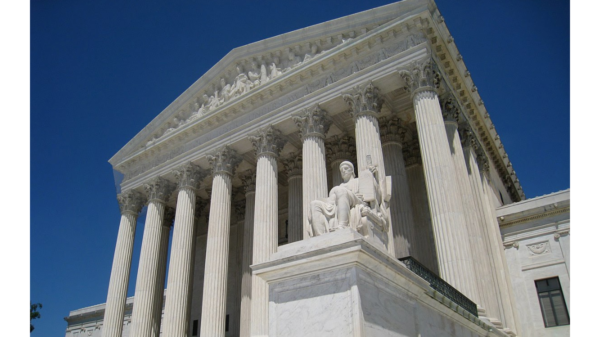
(339,284)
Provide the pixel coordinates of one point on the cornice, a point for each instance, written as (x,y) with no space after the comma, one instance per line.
(545,214)
(373,47)
(329,35)
(461,83)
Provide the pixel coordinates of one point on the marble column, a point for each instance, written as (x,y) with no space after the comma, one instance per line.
(176,317)
(130,203)
(223,163)
(268,143)
(340,148)
(293,167)
(392,136)
(488,275)
(444,197)
(198,259)
(509,316)
(451,115)
(143,320)
(313,124)
(425,246)
(235,269)
(249,181)
(157,311)
(365,105)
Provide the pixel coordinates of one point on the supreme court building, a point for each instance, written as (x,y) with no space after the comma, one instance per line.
(340,180)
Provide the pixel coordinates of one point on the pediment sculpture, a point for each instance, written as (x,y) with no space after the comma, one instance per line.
(357,203)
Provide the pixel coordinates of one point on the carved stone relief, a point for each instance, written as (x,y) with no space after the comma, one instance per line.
(389,49)
(539,248)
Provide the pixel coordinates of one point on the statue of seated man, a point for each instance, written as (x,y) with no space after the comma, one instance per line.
(346,205)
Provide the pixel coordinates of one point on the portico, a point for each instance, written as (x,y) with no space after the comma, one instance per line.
(263,128)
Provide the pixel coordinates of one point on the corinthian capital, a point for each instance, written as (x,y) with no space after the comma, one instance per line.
(248,178)
(189,176)
(267,141)
(224,160)
(421,75)
(467,138)
(450,109)
(313,122)
(482,160)
(364,100)
(293,164)
(391,130)
(131,202)
(341,147)
(159,189)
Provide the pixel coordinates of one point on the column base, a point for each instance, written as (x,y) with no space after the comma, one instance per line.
(343,284)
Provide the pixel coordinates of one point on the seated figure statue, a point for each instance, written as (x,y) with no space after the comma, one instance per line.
(355,203)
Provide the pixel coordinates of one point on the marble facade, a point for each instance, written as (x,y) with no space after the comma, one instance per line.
(234,166)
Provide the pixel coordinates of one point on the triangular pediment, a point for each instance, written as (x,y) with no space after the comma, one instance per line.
(246,69)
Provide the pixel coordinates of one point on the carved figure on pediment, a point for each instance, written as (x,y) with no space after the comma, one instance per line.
(242,84)
(225,91)
(356,203)
(254,74)
(275,72)
(210,103)
(264,78)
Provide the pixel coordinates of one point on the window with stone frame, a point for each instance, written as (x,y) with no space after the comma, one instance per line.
(552,302)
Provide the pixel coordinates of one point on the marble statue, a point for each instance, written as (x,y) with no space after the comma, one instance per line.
(242,84)
(275,72)
(225,91)
(264,78)
(254,74)
(356,203)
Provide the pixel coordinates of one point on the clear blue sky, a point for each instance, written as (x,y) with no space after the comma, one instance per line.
(100,71)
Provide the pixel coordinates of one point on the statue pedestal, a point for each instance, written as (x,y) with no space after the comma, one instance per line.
(343,284)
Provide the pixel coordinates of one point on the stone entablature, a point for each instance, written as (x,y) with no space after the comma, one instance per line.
(301,82)
(534,209)
(337,59)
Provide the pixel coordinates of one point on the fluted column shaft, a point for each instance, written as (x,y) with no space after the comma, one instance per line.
(176,320)
(313,124)
(368,143)
(474,240)
(265,238)
(246,302)
(509,318)
(314,175)
(217,257)
(119,275)
(162,271)
(492,289)
(425,246)
(143,320)
(400,204)
(442,191)
(296,230)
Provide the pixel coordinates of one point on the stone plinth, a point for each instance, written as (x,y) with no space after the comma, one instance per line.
(339,284)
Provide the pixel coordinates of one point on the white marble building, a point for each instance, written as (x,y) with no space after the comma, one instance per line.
(536,235)
(233,166)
